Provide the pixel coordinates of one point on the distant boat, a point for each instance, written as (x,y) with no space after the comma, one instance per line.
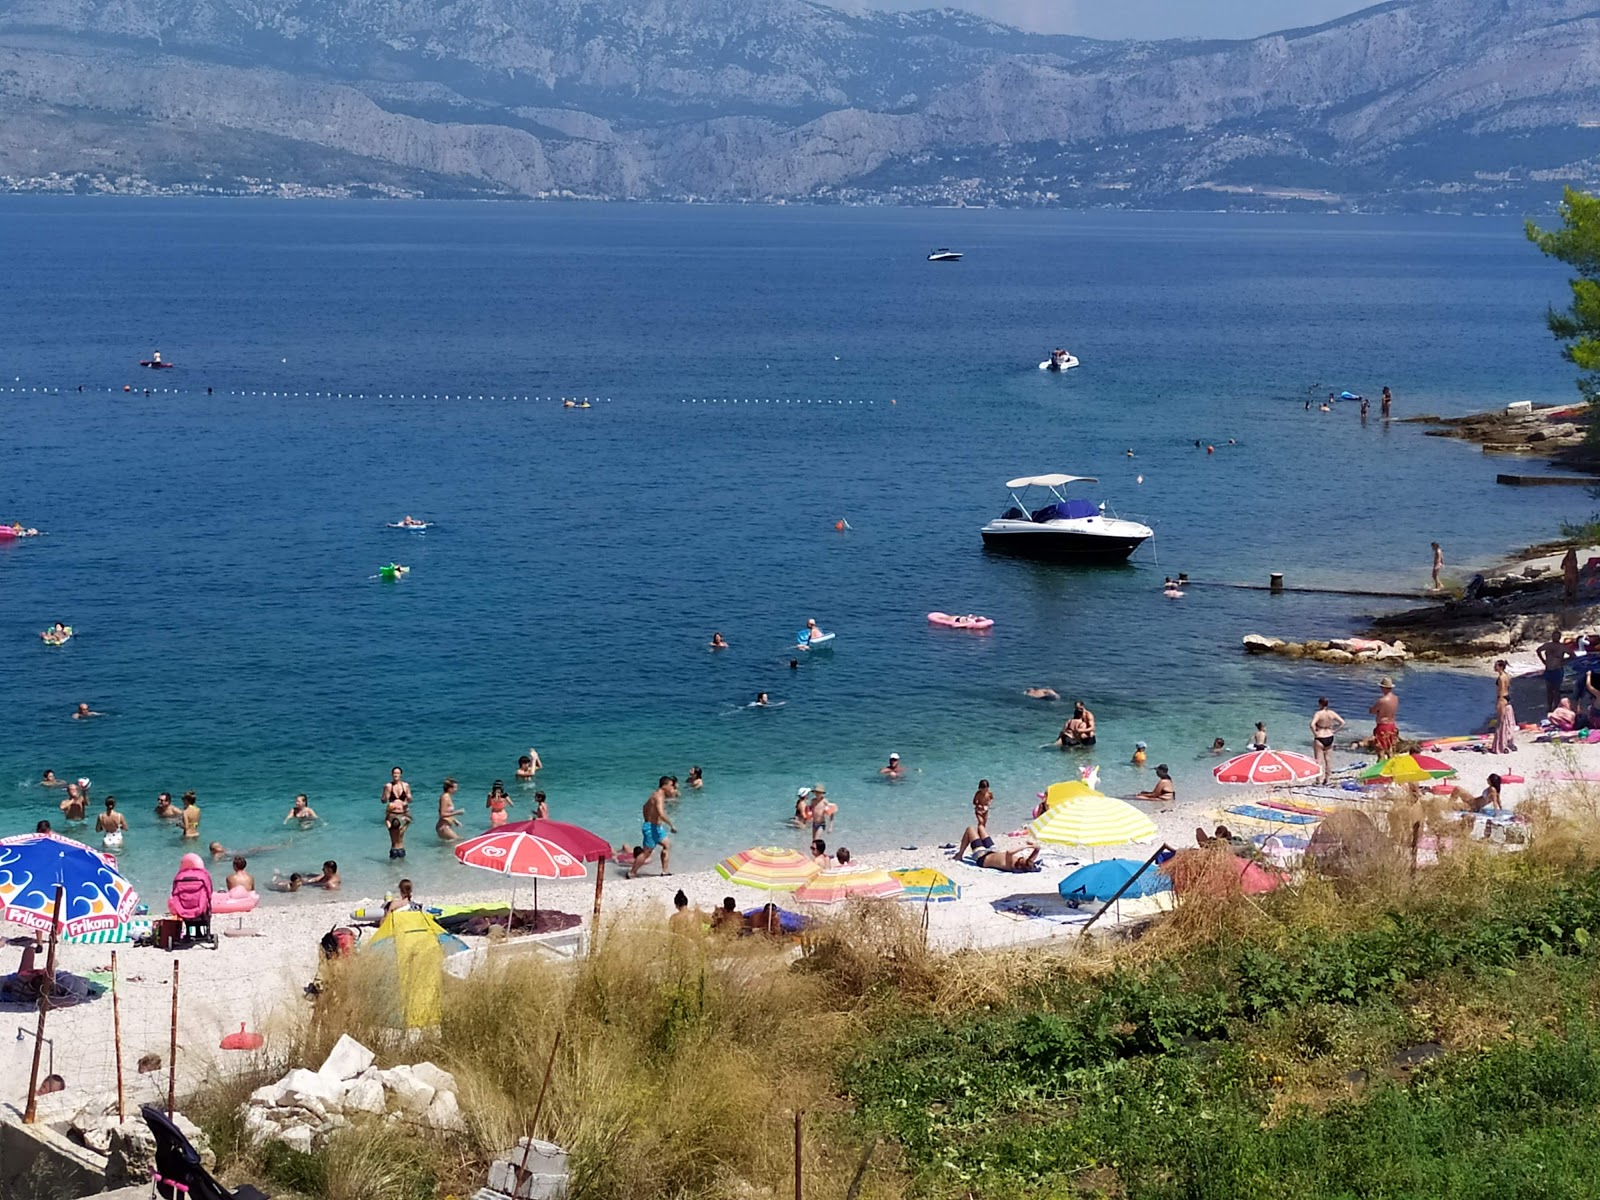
(1063,530)
(155,362)
(945,254)
(1059,360)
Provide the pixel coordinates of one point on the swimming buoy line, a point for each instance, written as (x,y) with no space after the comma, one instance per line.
(129,389)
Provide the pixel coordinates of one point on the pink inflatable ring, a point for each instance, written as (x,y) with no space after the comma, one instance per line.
(953,622)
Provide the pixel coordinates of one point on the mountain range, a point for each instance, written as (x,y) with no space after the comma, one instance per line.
(1465,105)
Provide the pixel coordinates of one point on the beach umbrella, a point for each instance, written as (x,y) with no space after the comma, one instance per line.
(772,868)
(835,887)
(1215,873)
(1100,881)
(1267,768)
(1407,768)
(582,844)
(1093,821)
(927,886)
(95,895)
(1071,789)
(522,856)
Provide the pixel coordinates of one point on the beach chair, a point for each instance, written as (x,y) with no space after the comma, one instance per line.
(190,901)
(178,1174)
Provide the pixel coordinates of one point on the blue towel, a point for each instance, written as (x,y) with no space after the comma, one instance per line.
(1272,814)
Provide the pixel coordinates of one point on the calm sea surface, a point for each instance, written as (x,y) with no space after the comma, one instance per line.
(756,375)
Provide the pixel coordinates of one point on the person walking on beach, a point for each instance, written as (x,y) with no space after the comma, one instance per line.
(1553,654)
(1569,575)
(982,799)
(656,828)
(449,814)
(1505,720)
(1385,732)
(1438,565)
(190,816)
(1324,724)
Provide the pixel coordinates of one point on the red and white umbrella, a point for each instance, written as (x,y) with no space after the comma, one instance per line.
(521,855)
(515,852)
(1268,768)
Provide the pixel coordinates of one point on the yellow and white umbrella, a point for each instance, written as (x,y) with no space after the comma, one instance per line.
(1092,820)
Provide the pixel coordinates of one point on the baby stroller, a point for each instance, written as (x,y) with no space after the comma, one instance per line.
(190,900)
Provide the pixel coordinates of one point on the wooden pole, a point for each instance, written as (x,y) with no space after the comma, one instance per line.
(172,1047)
(599,889)
(538,1108)
(30,1114)
(116,1038)
(799,1146)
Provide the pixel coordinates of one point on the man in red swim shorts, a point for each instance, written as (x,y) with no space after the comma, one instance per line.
(1385,733)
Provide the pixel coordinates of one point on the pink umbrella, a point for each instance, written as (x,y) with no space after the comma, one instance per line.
(1215,874)
(1265,768)
(520,855)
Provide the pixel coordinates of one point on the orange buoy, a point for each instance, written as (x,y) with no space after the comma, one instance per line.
(1211,449)
(126,388)
(839,526)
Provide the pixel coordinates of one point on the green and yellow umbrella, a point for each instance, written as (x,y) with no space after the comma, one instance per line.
(1092,820)
(927,886)
(771,868)
(1407,768)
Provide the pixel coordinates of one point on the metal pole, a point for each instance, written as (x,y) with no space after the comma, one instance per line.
(1148,863)
(538,1108)
(799,1146)
(116,1038)
(31,1113)
(172,1049)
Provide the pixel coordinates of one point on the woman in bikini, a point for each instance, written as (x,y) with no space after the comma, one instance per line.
(497,802)
(449,814)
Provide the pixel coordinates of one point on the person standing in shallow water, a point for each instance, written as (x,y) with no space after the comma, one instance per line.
(1438,565)
(1324,724)
(1383,409)
(449,814)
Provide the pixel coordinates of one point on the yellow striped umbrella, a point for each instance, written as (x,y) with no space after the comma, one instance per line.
(772,868)
(1072,789)
(1093,820)
(835,887)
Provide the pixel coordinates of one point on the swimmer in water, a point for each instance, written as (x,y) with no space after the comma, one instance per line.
(1041,693)
(893,770)
(760,701)
(83,712)
(301,811)
(449,815)
(718,642)
(696,778)
(164,807)
(111,824)
(75,806)
(525,767)
(50,780)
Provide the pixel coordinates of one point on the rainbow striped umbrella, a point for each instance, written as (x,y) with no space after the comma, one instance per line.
(1093,821)
(1407,768)
(835,887)
(771,868)
(925,885)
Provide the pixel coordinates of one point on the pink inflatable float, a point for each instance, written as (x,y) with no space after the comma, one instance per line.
(953,622)
(234,900)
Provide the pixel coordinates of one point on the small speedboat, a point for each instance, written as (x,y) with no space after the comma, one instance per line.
(1059,360)
(1063,530)
(945,254)
(969,621)
(154,362)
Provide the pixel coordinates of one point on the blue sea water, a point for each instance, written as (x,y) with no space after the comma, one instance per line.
(756,375)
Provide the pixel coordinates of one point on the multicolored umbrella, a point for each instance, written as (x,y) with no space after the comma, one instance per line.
(1267,768)
(1100,881)
(772,868)
(95,894)
(1407,768)
(925,885)
(514,852)
(1093,820)
(835,887)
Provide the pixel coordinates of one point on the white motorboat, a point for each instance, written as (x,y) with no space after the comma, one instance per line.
(1059,360)
(945,254)
(1062,530)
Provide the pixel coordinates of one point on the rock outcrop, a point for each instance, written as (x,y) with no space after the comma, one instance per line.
(1339,651)
(304,1107)
(770,99)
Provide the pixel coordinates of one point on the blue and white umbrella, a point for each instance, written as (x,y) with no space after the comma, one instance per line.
(95,894)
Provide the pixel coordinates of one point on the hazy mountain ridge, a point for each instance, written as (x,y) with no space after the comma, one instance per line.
(786,99)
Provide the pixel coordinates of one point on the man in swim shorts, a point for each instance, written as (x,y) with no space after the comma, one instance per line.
(1553,654)
(656,827)
(1385,732)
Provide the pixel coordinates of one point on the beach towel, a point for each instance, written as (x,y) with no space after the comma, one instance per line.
(1042,908)
(1258,813)
(126,932)
(1305,810)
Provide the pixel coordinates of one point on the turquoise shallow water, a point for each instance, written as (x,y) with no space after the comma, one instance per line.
(217,553)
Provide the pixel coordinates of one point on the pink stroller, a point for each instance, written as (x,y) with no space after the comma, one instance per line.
(190,900)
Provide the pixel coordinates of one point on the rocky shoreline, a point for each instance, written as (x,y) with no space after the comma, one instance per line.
(1520,604)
